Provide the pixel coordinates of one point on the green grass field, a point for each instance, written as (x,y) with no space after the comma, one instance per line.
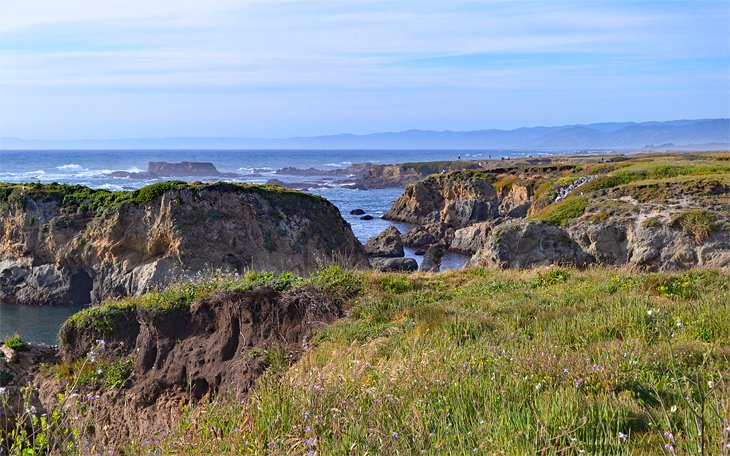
(552,361)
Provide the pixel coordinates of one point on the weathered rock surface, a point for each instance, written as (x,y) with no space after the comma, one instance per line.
(420,237)
(386,244)
(516,201)
(470,239)
(432,258)
(526,244)
(457,199)
(394,264)
(658,248)
(56,248)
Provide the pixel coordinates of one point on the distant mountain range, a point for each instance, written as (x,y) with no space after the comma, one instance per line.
(669,135)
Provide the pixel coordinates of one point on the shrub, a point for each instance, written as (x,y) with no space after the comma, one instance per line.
(697,223)
(336,281)
(16,343)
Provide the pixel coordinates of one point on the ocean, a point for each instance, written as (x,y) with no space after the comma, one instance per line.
(88,167)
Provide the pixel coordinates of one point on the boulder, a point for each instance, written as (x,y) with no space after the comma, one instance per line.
(386,244)
(470,239)
(421,237)
(432,258)
(357,212)
(394,264)
(366,217)
(526,244)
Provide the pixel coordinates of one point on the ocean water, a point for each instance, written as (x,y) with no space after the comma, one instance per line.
(87,167)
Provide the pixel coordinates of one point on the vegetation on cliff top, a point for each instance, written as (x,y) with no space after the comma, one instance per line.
(82,199)
(495,362)
(505,362)
(106,317)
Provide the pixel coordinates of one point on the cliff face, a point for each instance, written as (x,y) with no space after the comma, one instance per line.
(219,344)
(63,244)
(457,199)
(648,212)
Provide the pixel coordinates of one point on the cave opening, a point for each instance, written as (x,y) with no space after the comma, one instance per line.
(80,289)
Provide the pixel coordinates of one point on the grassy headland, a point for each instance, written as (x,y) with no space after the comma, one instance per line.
(491,362)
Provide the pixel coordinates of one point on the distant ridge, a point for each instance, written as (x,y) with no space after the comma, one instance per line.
(674,134)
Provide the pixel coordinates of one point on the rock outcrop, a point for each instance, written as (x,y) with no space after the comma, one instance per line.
(457,199)
(69,244)
(386,244)
(156,170)
(386,252)
(18,368)
(432,258)
(527,244)
(515,201)
(470,239)
(394,264)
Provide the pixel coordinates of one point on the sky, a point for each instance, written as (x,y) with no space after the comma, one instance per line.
(91,69)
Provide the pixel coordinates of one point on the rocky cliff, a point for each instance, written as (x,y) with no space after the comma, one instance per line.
(627,217)
(650,212)
(70,244)
(457,199)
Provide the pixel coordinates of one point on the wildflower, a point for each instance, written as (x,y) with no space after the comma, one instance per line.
(92,356)
(679,323)
(2,390)
(669,447)
(649,312)
(565,370)
(585,418)
(710,384)
(538,386)
(578,382)
(622,437)
(669,435)
(30,410)
(99,372)
(394,434)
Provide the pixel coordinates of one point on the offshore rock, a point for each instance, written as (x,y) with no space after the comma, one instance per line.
(386,244)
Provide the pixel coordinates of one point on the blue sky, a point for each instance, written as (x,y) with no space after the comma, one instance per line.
(72,69)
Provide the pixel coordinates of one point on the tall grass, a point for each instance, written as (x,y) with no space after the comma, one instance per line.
(491,362)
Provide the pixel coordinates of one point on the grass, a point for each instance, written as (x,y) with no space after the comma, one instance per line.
(493,362)
(16,343)
(696,223)
(109,316)
(563,212)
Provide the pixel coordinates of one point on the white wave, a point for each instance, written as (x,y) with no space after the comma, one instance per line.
(71,166)
(112,187)
(134,169)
